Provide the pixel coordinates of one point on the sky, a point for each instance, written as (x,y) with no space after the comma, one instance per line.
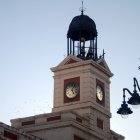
(33,39)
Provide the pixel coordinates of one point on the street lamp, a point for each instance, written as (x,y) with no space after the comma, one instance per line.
(134,100)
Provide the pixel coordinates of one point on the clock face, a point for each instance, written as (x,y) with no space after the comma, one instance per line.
(72,89)
(99,93)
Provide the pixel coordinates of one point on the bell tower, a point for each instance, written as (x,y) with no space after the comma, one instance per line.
(82,79)
(82,31)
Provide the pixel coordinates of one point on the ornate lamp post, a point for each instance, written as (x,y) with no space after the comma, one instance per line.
(134,100)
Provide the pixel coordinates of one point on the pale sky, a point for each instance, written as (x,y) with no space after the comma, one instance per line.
(33,39)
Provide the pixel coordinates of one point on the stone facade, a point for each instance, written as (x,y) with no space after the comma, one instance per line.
(11,133)
(84,119)
(81,109)
(63,125)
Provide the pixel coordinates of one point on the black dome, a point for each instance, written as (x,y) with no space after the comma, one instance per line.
(82,26)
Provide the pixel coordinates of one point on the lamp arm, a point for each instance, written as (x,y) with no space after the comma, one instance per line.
(125,89)
(136,82)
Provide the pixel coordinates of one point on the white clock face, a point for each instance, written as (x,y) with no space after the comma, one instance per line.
(99,93)
(72,90)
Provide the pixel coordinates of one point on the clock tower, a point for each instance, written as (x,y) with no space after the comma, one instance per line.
(81,106)
(82,79)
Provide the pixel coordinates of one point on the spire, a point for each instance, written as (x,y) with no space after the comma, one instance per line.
(82,9)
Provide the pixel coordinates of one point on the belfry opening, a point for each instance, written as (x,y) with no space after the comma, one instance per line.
(82,38)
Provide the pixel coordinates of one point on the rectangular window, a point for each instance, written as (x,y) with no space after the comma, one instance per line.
(53,118)
(78,119)
(10,135)
(115,138)
(77,138)
(100,123)
(28,122)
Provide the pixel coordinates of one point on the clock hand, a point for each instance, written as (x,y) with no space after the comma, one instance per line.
(72,90)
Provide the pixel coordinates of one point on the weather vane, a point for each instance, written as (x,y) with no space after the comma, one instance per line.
(82,9)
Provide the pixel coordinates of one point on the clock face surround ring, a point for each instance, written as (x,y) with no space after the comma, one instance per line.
(99,93)
(72,90)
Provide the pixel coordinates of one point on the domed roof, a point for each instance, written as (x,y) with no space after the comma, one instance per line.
(82,26)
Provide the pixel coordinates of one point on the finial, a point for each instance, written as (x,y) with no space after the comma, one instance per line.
(103,53)
(82,9)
